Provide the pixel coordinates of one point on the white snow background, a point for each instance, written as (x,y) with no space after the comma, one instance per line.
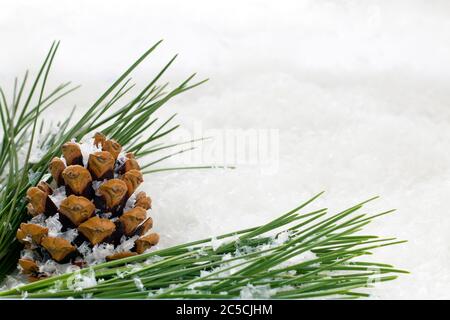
(358,91)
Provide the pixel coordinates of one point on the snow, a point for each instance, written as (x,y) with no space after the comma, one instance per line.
(281,238)
(215,244)
(303,257)
(59,194)
(130,203)
(87,147)
(97,254)
(153,259)
(138,283)
(26,254)
(70,234)
(126,244)
(257,292)
(53,268)
(80,281)
(53,225)
(121,158)
(356,94)
(39,219)
(11,281)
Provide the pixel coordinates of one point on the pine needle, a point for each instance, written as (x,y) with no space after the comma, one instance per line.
(283,259)
(128,121)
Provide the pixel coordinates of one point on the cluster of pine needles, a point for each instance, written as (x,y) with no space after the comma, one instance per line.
(298,255)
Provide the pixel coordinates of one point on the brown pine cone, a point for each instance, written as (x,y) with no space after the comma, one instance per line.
(90,206)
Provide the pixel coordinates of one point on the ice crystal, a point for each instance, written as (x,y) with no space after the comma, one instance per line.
(53,225)
(58,196)
(139,284)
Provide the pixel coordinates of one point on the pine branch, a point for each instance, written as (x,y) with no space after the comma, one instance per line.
(127,121)
(298,255)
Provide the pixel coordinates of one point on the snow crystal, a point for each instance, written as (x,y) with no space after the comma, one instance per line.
(27,254)
(303,257)
(138,283)
(24,295)
(70,234)
(227,257)
(48,266)
(59,194)
(120,274)
(29,240)
(152,260)
(54,268)
(11,282)
(98,253)
(281,238)
(58,285)
(36,153)
(121,158)
(215,244)
(53,225)
(256,292)
(84,249)
(87,147)
(81,280)
(126,244)
(130,202)
(39,219)
(135,268)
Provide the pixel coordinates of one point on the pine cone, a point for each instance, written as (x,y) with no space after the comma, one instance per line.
(91,213)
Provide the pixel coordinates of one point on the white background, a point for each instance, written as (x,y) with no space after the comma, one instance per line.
(359,91)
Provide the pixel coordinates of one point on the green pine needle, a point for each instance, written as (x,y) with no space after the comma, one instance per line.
(129,121)
(296,256)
